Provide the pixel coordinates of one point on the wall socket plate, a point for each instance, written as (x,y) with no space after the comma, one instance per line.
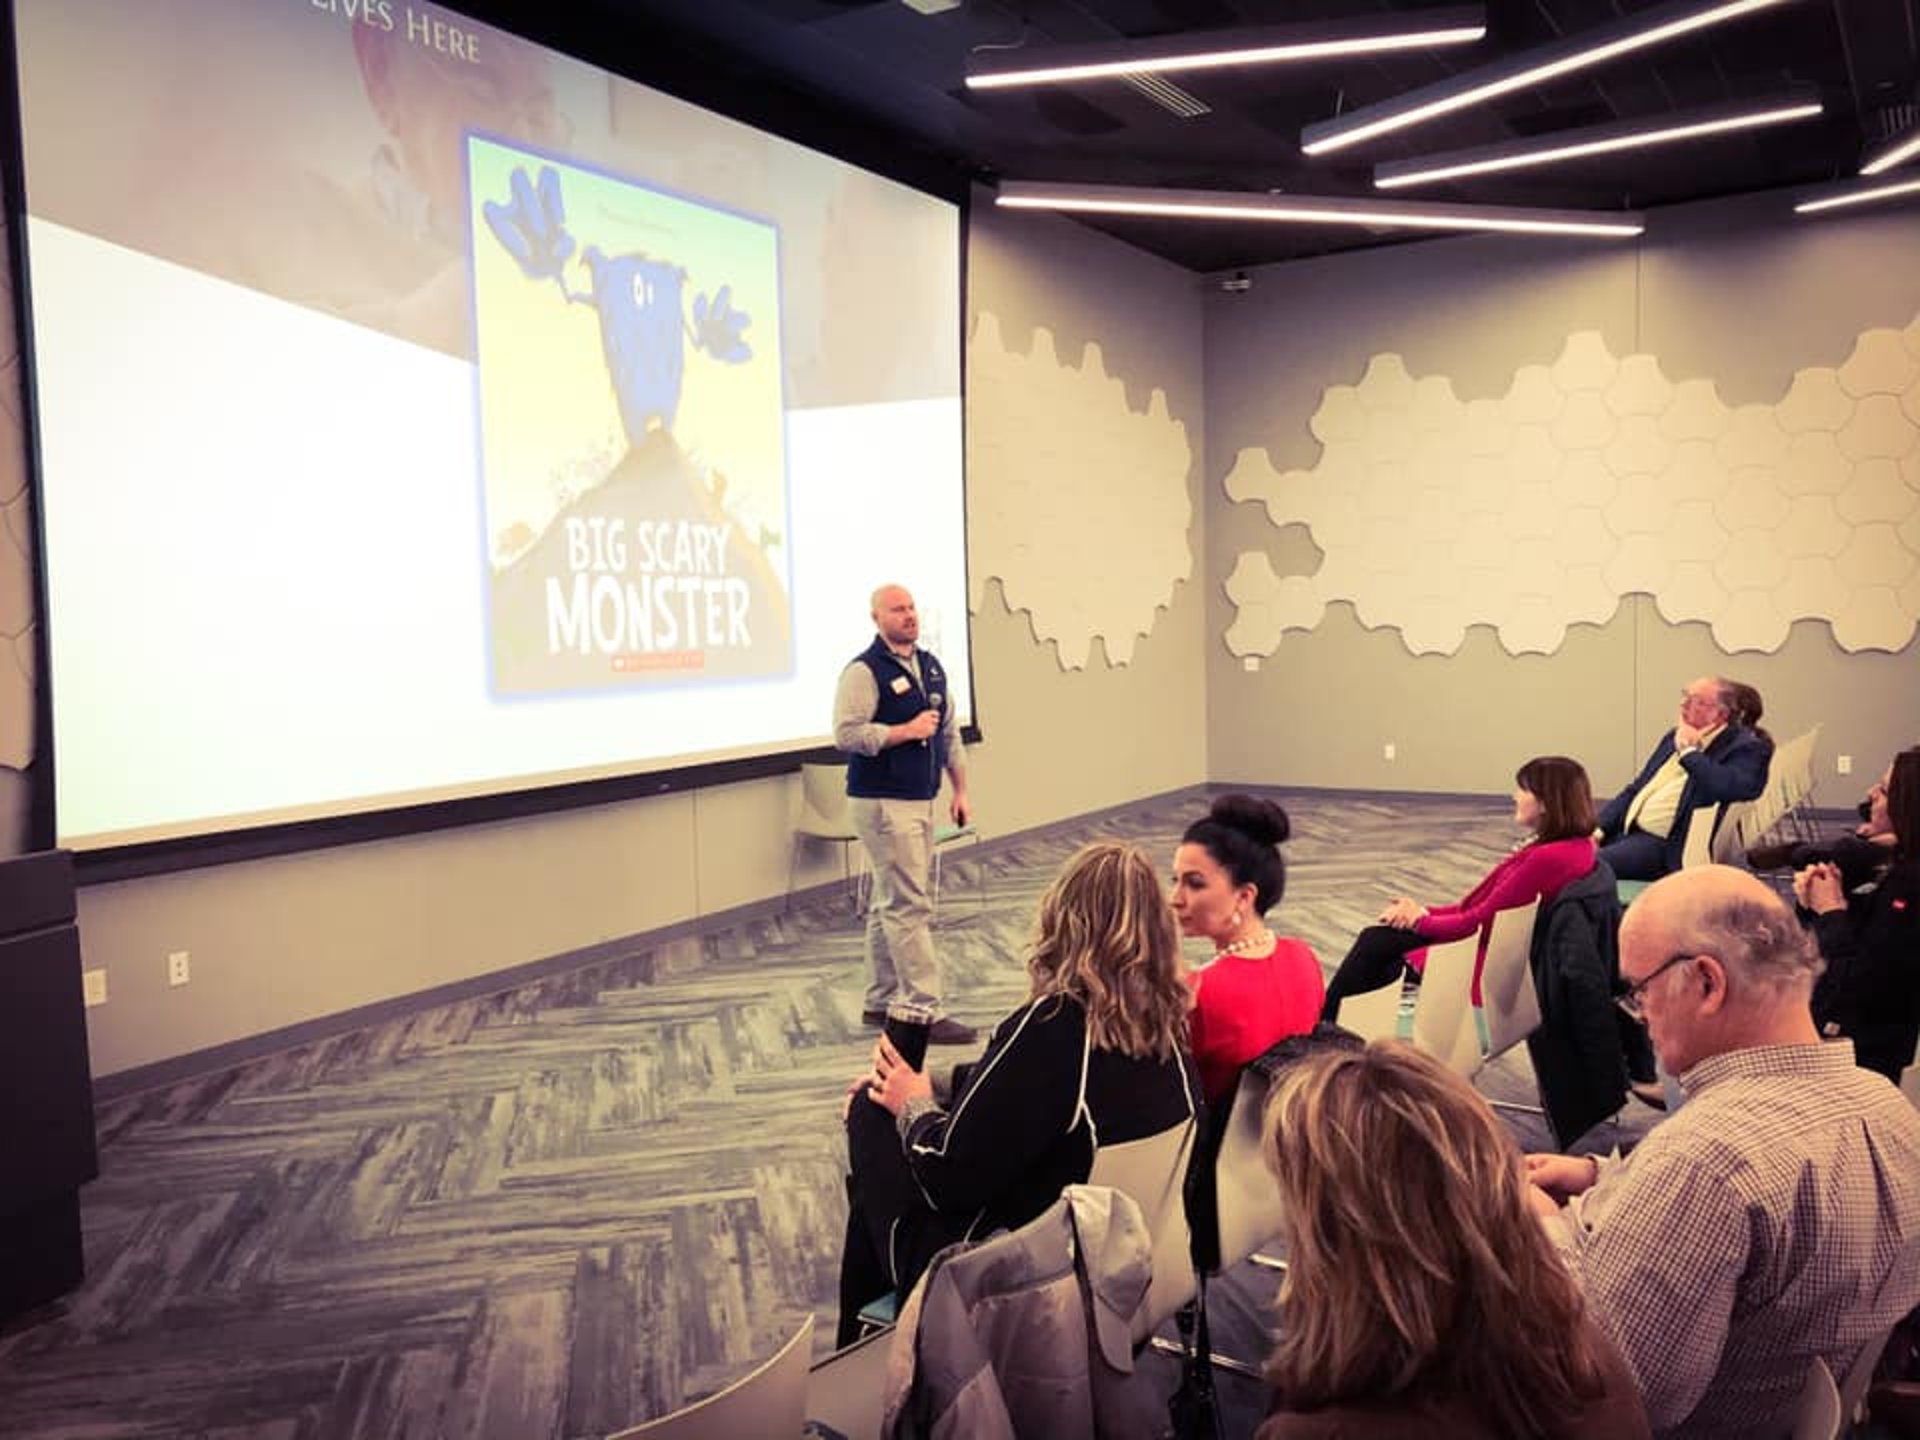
(179,967)
(1843,764)
(93,987)
(1389,751)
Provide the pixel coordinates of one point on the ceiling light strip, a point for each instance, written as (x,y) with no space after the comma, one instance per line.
(1592,140)
(1854,194)
(1532,67)
(1213,49)
(1904,148)
(1314,210)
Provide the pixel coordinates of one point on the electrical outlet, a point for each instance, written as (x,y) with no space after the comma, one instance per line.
(93,987)
(179,967)
(1389,750)
(1844,764)
(1250,663)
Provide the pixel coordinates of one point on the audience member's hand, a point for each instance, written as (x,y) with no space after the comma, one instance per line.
(1819,889)
(846,1105)
(1685,734)
(1541,1201)
(1562,1176)
(1402,914)
(894,1082)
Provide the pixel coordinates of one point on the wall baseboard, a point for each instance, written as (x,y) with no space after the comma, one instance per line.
(214,1058)
(197,1063)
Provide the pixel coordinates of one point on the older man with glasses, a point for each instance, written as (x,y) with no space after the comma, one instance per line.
(1713,755)
(1775,1218)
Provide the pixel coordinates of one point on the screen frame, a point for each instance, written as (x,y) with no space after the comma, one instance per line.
(712,81)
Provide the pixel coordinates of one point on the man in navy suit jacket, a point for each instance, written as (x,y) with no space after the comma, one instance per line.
(1708,758)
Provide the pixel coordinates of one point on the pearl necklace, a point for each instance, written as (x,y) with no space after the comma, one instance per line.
(1253,943)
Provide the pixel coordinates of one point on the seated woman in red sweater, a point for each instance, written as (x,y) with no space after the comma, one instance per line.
(1258,988)
(1553,800)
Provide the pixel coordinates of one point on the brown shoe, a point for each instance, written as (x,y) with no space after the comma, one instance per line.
(1770,857)
(949,1031)
(873,1019)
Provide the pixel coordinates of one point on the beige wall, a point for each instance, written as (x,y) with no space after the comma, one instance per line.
(1743,293)
(283,941)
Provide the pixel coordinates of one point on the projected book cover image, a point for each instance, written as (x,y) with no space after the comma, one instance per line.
(632,439)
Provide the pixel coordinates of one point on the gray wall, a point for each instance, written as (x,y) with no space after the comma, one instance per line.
(1744,293)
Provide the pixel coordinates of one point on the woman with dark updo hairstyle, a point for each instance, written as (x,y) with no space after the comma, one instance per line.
(1258,988)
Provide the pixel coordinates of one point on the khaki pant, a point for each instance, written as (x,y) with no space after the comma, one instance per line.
(898,835)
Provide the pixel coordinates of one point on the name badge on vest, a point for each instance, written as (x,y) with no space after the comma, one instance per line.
(901,684)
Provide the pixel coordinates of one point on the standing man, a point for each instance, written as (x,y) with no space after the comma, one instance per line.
(1773,1219)
(893,715)
(1708,758)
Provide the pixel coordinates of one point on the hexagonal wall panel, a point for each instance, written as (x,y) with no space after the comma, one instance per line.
(1814,401)
(1879,365)
(1063,445)
(1876,492)
(1877,428)
(1591,478)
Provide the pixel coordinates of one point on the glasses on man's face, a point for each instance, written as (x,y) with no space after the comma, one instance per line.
(1633,999)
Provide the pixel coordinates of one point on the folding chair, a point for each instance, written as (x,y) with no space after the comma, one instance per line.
(770,1402)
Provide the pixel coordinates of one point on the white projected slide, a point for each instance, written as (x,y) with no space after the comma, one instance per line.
(424,415)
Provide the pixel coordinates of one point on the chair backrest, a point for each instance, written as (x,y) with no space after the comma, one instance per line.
(1729,840)
(770,1402)
(1152,1172)
(823,800)
(1698,849)
(1818,1416)
(1373,1014)
(1443,1019)
(1793,769)
(1246,1197)
(1507,997)
(1859,1377)
(846,1392)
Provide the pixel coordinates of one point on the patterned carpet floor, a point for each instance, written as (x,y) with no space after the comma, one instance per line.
(563,1208)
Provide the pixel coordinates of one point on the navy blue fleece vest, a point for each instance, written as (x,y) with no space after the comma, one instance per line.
(910,771)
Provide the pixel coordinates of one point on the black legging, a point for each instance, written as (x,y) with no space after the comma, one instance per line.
(891,1234)
(1378,957)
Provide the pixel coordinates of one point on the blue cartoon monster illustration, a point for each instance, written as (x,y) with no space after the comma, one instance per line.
(640,299)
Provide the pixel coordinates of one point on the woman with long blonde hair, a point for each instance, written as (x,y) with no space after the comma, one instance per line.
(1422,1296)
(1097,1055)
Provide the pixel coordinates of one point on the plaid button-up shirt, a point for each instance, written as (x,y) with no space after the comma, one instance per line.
(1773,1218)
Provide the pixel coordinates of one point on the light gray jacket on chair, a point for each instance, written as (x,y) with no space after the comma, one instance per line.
(1055,1298)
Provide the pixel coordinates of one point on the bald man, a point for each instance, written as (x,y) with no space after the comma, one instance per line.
(1774,1218)
(893,715)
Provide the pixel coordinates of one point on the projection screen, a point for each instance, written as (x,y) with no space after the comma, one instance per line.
(422,414)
